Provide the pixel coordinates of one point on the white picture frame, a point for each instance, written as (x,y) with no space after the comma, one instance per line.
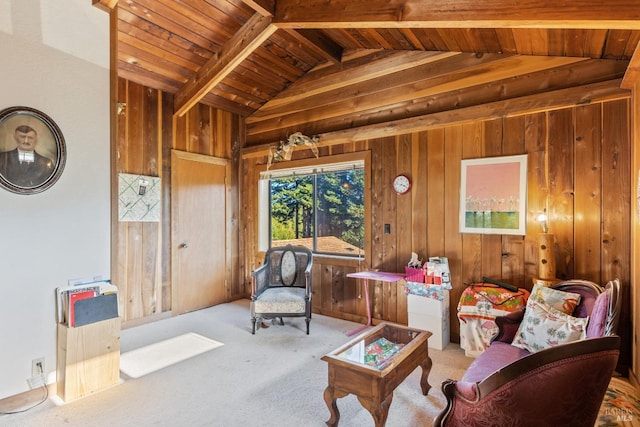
(493,195)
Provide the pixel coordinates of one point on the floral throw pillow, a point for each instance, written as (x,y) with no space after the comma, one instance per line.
(560,300)
(543,326)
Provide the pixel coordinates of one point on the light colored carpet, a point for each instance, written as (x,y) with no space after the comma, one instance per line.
(274,378)
(150,358)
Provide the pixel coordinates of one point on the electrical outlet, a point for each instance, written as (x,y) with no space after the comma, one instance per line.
(37,367)
(37,381)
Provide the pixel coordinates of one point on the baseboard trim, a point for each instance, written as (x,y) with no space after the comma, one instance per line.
(144,320)
(25,400)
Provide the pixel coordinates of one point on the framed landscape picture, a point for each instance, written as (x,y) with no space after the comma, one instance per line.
(493,194)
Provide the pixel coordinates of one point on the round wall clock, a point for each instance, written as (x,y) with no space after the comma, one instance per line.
(401,184)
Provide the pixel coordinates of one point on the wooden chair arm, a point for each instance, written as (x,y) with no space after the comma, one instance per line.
(260,280)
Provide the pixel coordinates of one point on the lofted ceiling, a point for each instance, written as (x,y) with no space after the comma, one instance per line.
(257,57)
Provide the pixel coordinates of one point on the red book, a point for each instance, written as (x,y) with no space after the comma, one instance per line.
(76,296)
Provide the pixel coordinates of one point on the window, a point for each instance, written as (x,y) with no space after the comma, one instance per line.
(321,207)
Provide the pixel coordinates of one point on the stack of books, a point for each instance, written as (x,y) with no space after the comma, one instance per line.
(84,302)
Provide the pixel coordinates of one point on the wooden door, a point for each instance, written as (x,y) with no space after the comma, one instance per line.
(198,238)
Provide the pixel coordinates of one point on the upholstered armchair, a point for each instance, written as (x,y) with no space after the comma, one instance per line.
(281,287)
(508,385)
(601,305)
(558,386)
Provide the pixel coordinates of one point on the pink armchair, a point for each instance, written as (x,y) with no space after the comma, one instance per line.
(561,385)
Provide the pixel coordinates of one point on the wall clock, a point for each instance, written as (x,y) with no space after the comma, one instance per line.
(401,184)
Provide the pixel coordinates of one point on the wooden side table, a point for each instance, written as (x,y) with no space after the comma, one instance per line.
(374,386)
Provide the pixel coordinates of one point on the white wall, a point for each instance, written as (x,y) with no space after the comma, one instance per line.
(55,58)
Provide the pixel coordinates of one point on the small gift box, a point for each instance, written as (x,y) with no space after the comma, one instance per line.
(414,274)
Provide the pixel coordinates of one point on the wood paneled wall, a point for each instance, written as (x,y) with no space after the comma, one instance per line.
(138,247)
(635,224)
(146,133)
(578,173)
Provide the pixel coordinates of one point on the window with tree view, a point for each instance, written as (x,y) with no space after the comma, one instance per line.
(323,211)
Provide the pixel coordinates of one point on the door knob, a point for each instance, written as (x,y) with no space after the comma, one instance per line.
(183,246)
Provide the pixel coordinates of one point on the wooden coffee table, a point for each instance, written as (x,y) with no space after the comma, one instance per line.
(349,373)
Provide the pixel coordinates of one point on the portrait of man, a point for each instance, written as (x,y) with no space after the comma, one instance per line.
(23,165)
(32,150)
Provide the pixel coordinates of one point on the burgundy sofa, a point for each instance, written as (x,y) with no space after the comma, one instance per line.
(561,385)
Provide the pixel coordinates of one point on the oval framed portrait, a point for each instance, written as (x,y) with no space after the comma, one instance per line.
(32,150)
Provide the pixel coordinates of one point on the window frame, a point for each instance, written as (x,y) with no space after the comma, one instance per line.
(263,237)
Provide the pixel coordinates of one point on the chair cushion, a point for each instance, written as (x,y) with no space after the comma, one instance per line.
(497,356)
(543,326)
(281,300)
(588,298)
(560,300)
(598,318)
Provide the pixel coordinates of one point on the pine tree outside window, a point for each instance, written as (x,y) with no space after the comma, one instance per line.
(321,207)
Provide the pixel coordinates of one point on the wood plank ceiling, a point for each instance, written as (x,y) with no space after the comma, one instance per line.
(351,63)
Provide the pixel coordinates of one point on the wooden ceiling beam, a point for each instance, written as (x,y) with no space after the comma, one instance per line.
(265,8)
(327,80)
(252,34)
(530,104)
(322,46)
(632,76)
(544,102)
(105,5)
(458,73)
(611,14)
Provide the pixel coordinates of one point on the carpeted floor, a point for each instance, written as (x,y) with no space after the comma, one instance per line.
(153,357)
(273,378)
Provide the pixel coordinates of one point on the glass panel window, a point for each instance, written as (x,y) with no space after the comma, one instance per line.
(292,209)
(320,209)
(340,212)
